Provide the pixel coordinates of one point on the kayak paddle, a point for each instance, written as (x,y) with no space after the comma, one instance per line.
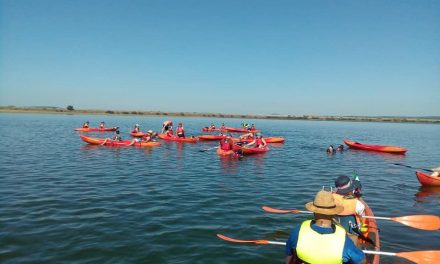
(421,257)
(203,150)
(425,222)
(400,164)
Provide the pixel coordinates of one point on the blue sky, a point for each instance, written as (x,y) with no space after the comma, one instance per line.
(250,57)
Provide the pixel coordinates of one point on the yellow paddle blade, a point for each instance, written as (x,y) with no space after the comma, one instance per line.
(425,222)
(421,257)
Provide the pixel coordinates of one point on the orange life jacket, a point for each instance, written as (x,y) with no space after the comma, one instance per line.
(348,203)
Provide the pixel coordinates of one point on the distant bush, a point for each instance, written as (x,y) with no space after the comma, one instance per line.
(134,113)
(70,108)
(125,113)
(109,112)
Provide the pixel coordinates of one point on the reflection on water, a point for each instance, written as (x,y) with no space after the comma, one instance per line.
(229,164)
(383,155)
(427,194)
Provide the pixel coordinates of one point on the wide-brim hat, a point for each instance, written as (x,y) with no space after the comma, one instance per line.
(345,185)
(150,131)
(324,203)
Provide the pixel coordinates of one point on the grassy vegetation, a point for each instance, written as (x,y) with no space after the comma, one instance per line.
(59,110)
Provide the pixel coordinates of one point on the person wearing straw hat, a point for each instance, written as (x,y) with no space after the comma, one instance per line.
(320,240)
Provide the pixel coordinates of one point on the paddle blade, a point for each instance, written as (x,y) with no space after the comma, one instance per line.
(242,241)
(428,256)
(425,222)
(279,211)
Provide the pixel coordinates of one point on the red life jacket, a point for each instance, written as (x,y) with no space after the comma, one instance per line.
(258,142)
(179,130)
(225,144)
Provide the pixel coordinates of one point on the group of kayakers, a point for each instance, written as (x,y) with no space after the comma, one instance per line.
(87,124)
(167,128)
(258,141)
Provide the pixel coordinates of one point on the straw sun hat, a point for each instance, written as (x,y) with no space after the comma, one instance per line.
(324,203)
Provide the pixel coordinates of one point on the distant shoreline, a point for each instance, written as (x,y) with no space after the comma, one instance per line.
(58,110)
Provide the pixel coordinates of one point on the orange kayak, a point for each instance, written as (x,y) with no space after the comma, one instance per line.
(241,130)
(210,137)
(95,129)
(372,233)
(267,139)
(178,139)
(250,151)
(115,143)
(206,129)
(137,134)
(222,152)
(380,148)
(427,180)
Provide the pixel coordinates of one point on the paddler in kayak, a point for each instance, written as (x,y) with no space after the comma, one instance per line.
(169,133)
(151,135)
(117,137)
(148,136)
(86,124)
(249,135)
(180,131)
(102,125)
(258,142)
(167,125)
(347,195)
(436,172)
(136,128)
(226,143)
(320,240)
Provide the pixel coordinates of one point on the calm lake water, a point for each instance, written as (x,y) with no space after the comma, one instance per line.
(65,201)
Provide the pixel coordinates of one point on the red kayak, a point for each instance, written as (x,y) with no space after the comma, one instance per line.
(380,148)
(178,139)
(210,137)
(268,140)
(115,143)
(241,130)
(95,129)
(137,134)
(428,179)
(206,129)
(250,151)
(222,152)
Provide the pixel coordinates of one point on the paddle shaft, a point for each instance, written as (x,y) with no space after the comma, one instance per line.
(399,164)
(267,242)
(378,217)
(203,150)
(424,222)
